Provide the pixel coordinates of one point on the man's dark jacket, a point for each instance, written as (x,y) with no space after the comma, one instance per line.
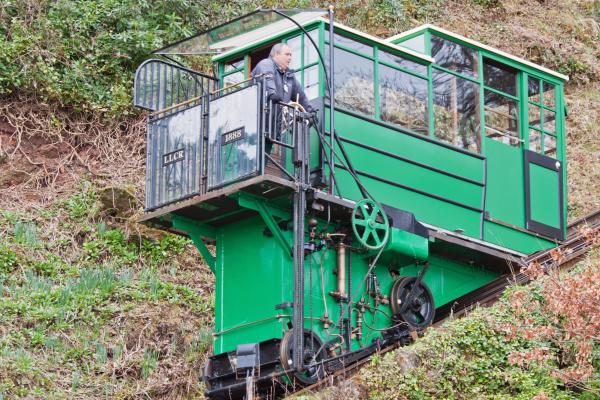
(277,81)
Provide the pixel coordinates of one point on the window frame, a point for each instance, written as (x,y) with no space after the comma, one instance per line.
(541,130)
(374,57)
(517,98)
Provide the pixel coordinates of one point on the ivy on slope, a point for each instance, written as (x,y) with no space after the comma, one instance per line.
(83,54)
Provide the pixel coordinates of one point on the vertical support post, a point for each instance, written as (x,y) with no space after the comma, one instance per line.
(302,145)
(331,102)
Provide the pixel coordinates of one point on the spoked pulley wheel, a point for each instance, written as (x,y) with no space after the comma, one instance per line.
(370,224)
(314,352)
(417,309)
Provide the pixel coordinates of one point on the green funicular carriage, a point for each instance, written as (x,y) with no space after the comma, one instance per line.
(445,169)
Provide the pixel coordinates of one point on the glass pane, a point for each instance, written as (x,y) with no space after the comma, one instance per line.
(403,99)
(534,115)
(232,79)
(402,62)
(251,28)
(173,157)
(549,121)
(454,56)
(501,118)
(311,82)
(310,53)
(550,145)
(354,87)
(549,95)
(535,141)
(500,77)
(352,44)
(295,45)
(417,43)
(533,89)
(233,136)
(233,65)
(456,110)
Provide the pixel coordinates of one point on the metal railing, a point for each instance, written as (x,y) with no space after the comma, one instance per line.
(211,141)
(159,85)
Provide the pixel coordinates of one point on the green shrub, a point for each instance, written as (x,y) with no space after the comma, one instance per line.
(8,259)
(83,53)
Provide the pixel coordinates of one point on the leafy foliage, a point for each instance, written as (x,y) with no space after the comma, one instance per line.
(83,54)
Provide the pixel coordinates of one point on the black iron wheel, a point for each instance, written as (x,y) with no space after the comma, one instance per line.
(417,311)
(314,353)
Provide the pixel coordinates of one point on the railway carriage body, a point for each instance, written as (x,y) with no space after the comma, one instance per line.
(446,166)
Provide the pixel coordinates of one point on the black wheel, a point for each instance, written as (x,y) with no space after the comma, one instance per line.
(420,310)
(314,352)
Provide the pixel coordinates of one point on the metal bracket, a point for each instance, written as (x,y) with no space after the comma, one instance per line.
(196,231)
(268,214)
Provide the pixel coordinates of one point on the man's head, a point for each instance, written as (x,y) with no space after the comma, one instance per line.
(281,55)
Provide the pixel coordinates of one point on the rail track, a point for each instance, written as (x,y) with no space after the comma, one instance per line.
(579,240)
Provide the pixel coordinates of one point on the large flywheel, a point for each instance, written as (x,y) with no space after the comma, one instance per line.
(370,224)
(412,304)
(314,353)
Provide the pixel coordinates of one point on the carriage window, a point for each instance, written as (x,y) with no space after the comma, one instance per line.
(233,65)
(232,79)
(533,90)
(453,56)
(310,53)
(542,116)
(456,110)
(352,44)
(502,118)
(396,61)
(549,121)
(311,82)
(354,87)
(500,77)
(417,43)
(549,95)
(403,99)
(295,44)
(535,116)
(304,58)
(535,140)
(550,145)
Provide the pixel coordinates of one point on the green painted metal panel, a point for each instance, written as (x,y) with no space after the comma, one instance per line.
(411,147)
(253,275)
(544,201)
(414,176)
(425,209)
(513,239)
(505,195)
(448,279)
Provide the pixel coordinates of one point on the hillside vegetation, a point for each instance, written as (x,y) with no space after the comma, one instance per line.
(93,305)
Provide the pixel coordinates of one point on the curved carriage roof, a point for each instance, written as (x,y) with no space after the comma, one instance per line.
(257,26)
(434,28)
